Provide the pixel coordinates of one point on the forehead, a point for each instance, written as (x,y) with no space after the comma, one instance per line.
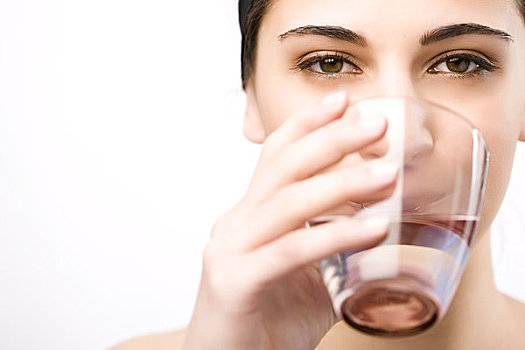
(392,17)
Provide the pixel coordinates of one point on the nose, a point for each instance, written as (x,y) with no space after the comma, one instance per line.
(418,136)
(394,79)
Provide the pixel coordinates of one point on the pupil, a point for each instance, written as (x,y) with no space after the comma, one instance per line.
(458,65)
(331,65)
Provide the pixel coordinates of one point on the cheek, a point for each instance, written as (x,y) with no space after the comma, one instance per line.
(501,146)
(275,107)
(498,123)
(278,99)
(494,108)
(281,93)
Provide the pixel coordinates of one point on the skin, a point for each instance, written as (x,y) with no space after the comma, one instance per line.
(260,288)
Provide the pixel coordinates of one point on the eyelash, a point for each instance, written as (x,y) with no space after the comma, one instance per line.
(483,65)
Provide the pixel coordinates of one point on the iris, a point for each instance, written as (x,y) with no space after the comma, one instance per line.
(331,65)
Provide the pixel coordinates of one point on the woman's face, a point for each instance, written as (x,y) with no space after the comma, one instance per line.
(468,55)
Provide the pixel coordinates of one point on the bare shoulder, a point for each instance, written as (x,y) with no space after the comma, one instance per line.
(162,341)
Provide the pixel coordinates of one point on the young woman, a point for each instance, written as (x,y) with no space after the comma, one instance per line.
(303,61)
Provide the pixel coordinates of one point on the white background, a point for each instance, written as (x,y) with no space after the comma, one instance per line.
(120,143)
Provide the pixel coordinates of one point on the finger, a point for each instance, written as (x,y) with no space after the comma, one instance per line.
(306,246)
(321,149)
(298,202)
(304,122)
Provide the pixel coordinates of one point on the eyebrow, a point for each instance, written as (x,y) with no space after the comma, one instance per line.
(456,30)
(334,32)
(430,37)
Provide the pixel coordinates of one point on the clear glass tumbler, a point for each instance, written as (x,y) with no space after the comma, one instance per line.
(405,284)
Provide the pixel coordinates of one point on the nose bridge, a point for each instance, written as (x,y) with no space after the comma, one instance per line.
(394,77)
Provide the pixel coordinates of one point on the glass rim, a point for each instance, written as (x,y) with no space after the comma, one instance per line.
(421,101)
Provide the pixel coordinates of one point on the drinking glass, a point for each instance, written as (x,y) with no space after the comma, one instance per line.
(405,284)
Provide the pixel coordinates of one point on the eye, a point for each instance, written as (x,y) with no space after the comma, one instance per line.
(462,64)
(457,65)
(330,65)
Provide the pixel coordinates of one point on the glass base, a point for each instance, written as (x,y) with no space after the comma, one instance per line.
(390,307)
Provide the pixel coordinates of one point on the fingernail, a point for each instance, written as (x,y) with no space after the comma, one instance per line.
(334,99)
(386,170)
(377,223)
(372,122)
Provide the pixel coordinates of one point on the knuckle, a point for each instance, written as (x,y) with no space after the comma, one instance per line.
(210,255)
(267,150)
(233,218)
(218,227)
(272,145)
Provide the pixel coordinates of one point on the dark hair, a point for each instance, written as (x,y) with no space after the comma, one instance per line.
(251,14)
(521,5)
(250,22)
